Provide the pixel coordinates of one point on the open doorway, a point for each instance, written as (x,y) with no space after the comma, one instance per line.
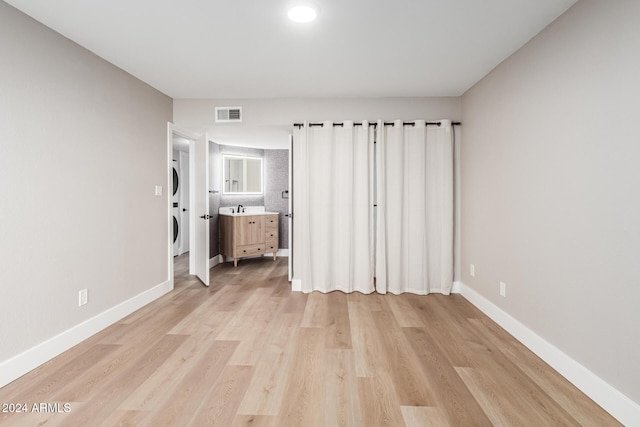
(273,198)
(180,195)
(184,243)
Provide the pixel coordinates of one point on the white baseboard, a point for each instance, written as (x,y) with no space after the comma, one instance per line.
(456,288)
(218,259)
(617,404)
(28,360)
(280,252)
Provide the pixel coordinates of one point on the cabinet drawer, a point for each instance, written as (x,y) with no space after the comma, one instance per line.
(271,236)
(271,247)
(271,222)
(247,250)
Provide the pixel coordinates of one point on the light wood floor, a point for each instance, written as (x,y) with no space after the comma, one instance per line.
(248,352)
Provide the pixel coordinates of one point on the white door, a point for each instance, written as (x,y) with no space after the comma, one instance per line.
(290,219)
(199,209)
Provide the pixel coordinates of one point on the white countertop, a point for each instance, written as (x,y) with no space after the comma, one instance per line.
(248,210)
(247,213)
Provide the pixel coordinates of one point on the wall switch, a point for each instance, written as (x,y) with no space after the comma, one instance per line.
(158,190)
(472,270)
(503,289)
(83,297)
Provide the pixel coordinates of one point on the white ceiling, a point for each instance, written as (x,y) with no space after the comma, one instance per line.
(249,49)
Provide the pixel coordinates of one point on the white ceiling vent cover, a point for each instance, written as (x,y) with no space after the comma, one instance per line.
(228,114)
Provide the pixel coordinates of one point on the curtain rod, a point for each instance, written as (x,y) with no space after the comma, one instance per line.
(315,124)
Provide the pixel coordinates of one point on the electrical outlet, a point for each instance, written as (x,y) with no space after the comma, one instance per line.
(503,289)
(158,190)
(472,270)
(83,297)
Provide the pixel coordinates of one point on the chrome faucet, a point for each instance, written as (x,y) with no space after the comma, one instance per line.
(240,208)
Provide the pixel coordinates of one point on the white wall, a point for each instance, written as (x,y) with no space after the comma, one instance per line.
(267,123)
(82,145)
(550,179)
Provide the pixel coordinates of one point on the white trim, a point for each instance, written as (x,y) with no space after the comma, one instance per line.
(296,285)
(184,132)
(218,259)
(169,199)
(610,399)
(455,289)
(28,360)
(280,252)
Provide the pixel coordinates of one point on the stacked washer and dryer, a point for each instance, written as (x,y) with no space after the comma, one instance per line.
(176,208)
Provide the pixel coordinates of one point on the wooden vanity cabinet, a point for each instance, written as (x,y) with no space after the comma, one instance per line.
(248,235)
(250,229)
(271,234)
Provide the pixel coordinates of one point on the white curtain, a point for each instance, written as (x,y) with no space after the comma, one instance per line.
(333,219)
(414,226)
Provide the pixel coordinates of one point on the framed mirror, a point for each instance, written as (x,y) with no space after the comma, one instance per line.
(242,174)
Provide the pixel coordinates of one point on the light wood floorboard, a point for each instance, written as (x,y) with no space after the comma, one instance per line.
(247,351)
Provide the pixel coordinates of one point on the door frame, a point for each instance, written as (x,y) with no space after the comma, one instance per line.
(173,129)
(290,211)
(169,201)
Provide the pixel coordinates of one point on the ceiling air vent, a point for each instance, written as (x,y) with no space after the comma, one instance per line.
(228,114)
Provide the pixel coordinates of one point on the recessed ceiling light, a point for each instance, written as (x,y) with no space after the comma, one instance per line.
(302,14)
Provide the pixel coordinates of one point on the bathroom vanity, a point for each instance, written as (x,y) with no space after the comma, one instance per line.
(248,233)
